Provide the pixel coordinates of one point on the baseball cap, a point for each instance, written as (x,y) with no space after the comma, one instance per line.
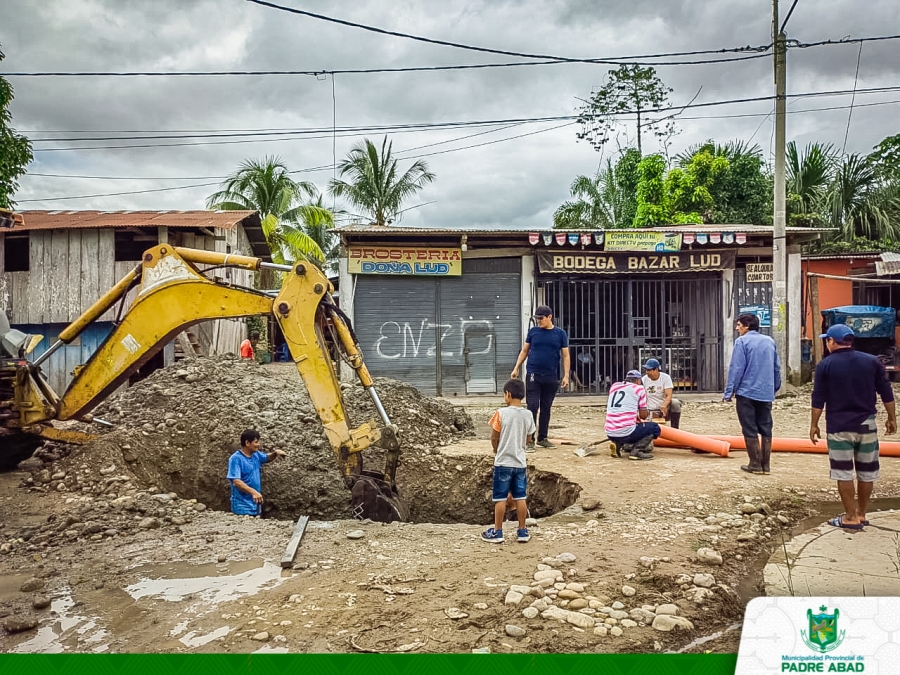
(838,332)
(543,310)
(632,375)
(652,364)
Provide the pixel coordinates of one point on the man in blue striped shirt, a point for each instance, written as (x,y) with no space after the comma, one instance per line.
(844,387)
(753,378)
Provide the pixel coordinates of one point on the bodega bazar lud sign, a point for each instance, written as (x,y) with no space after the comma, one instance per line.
(599,262)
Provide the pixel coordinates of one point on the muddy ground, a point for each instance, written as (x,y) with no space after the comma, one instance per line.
(122,549)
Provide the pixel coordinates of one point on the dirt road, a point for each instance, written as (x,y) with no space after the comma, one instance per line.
(650,556)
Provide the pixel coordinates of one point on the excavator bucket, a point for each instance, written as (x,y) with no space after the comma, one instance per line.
(374,498)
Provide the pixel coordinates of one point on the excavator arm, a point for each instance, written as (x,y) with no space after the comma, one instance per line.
(172,294)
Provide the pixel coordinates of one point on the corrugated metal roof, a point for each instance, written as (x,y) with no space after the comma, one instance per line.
(356,228)
(843,256)
(58,220)
(889,264)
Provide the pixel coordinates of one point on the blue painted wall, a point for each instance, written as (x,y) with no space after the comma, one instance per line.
(58,369)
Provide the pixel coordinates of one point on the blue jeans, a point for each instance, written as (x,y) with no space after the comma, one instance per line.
(509,479)
(640,431)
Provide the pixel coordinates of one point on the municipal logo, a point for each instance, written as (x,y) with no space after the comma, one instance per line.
(823,633)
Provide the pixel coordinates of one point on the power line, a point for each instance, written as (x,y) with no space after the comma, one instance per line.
(853,99)
(319,168)
(403,128)
(788,17)
(489,50)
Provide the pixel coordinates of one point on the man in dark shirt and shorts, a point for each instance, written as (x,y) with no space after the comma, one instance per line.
(543,347)
(845,386)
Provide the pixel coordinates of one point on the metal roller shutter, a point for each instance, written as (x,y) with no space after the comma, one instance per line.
(396,326)
(481,313)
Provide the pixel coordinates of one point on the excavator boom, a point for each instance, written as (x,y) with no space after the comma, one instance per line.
(173,294)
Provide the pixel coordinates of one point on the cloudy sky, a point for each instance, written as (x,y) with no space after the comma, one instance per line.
(500,175)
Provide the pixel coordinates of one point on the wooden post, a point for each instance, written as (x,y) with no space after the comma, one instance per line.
(818,351)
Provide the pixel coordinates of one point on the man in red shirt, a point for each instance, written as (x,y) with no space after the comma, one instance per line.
(248,345)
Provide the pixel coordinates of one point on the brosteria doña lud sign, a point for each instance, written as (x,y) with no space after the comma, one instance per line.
(588,262)
(405,260)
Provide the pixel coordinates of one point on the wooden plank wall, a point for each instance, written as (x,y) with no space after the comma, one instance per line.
(70,269)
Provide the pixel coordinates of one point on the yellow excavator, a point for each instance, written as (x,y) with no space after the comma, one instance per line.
(173,291)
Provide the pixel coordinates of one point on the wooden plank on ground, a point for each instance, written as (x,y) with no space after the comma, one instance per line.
(287,560)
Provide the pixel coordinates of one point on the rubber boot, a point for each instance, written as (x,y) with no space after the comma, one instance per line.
(753,452)
(674,420)
(765,454)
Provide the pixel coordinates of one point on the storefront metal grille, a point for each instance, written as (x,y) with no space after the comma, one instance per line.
(615,325)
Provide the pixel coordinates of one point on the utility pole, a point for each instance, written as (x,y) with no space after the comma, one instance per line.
(779,242)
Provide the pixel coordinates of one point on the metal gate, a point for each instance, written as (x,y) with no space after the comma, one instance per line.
(615,325)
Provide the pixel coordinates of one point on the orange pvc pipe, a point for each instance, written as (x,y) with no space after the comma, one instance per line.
(781,444)
(707,443)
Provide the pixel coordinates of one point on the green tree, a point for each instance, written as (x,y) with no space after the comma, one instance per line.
(15,149)
(626,176)
(652,206)
(630,91)
(886,158)
(375,184)
(741,193)
(283,206)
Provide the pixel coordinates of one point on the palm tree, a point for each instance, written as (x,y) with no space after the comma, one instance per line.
(318,223)
(809,175)
(374,184)
(267,187)
(860,204)
(598,203)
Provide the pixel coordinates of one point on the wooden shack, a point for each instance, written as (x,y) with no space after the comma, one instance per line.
(58,263)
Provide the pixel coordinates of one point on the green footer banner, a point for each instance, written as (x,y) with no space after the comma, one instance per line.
(369,664)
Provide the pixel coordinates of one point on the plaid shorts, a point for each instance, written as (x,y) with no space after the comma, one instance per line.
(855,449)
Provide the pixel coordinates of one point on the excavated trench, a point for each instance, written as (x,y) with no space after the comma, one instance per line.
(176,429)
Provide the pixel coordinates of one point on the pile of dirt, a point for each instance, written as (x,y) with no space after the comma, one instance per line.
(176,429)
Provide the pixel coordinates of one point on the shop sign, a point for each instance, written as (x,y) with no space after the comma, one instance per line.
(759,273)
(563,262)
(405,260)
(658,242)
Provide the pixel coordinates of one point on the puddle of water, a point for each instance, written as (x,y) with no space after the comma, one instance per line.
(194,640)
(266,649)
(701,640)
(62,628)
(211,584)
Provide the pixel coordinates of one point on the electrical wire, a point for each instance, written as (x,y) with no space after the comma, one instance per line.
(489,50)
(427,126)
(852,100)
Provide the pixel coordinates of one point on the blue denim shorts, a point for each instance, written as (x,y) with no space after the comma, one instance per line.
(509,479)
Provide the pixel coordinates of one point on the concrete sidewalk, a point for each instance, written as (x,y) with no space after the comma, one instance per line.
(830,561)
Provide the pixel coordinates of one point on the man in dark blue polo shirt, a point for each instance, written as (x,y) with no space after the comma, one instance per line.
(845,386)
(543,347)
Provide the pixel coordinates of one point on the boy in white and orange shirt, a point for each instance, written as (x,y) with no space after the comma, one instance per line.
(512,428)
